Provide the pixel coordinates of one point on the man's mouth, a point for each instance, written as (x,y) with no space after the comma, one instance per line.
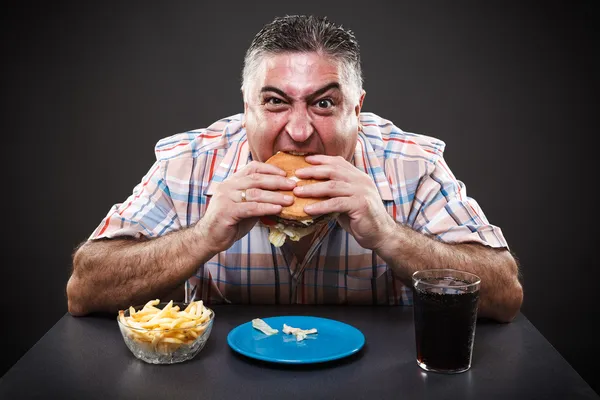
(298,153)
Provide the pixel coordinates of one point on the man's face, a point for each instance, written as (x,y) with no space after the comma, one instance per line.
(301,102)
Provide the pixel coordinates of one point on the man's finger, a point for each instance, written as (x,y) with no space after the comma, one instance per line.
(267,196)
(256,167)
(323,171)
(327,160)
(331,188)
(337,205)
(263,181)
(250,209)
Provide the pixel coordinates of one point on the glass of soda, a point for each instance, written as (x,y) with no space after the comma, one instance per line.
(445,315)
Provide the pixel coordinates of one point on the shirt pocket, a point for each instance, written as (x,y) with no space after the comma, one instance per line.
(368,288)
(367,280)
(364,266)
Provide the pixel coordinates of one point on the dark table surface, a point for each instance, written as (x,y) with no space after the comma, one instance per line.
(86,358)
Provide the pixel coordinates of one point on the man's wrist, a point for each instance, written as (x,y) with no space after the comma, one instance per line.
(395,245)
(198,244)
(391,239)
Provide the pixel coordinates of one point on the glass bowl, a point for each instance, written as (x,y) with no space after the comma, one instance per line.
(165,345)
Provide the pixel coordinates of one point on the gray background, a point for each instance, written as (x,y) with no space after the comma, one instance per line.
(88,88)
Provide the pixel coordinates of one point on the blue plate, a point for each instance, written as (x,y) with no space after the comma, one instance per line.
(332,341)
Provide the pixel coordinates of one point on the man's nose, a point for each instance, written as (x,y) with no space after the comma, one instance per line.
(299,127)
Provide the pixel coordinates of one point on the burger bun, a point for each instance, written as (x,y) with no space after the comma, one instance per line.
(290,163)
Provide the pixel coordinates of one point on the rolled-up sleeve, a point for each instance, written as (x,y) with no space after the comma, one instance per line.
(441,208)
(147,212)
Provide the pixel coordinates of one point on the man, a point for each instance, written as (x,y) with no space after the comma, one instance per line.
(193,221)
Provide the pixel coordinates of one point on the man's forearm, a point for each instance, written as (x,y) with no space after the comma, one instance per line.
(501,294)
(116,273)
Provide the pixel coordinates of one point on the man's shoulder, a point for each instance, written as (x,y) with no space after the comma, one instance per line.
(218,136)
(394,142)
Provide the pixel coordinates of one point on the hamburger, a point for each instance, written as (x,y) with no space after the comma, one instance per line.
(292,222)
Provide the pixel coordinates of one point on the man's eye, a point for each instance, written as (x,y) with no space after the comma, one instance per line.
(325,103)
(274,101)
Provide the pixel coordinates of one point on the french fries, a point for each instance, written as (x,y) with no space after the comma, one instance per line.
(165,330)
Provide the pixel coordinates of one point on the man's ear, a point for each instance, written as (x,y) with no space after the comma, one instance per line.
(245,112)
(360,103)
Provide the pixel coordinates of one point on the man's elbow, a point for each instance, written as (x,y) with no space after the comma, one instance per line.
(504,305)
(75,301)
(75,290)
(515,289)
(505,309)
(513,293)
(512,304)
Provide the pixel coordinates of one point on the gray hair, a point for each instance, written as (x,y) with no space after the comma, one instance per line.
(303,34)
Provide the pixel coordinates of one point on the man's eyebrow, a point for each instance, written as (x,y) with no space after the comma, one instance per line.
(316,93)
(324,89)
(276,90)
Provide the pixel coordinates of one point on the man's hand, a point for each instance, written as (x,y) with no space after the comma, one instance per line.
(352,193)
(229,218)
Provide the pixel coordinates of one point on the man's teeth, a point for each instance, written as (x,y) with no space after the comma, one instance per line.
(297,153)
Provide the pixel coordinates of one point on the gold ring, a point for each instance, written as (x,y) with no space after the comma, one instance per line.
(243,195)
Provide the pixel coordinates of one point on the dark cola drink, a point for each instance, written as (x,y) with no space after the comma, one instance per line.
(445,315)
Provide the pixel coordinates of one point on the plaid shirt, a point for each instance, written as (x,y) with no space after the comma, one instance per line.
(414,182)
